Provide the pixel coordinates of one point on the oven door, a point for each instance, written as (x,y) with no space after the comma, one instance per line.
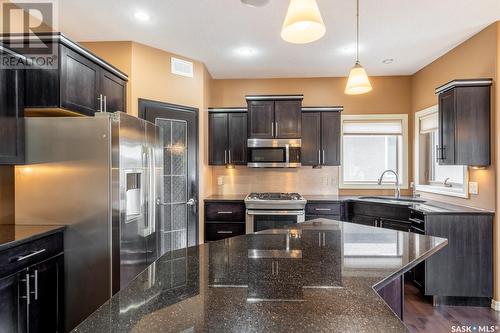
(258,220)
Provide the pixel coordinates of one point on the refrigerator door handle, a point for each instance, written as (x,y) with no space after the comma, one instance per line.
(152,170)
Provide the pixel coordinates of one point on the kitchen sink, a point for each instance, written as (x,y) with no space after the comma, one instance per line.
(393,200)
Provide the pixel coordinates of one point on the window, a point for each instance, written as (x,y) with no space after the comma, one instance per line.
(372,144)
(429,175)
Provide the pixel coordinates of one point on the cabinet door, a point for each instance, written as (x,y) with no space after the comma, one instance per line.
(311,138)
(113,90)
(13,303)
(218,138)
(261,119)
(330,138)
(237,153)
(288,119)
(446,154)
(365,220)
(11,116)
(46,279)
(79,83)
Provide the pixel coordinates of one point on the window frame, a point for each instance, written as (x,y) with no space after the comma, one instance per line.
(404,167)
(416,168)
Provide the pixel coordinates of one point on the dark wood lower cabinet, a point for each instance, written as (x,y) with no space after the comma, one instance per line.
(393,295)
(224,219)
(32,296)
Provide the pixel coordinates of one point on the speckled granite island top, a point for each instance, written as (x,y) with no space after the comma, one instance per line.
(320,276)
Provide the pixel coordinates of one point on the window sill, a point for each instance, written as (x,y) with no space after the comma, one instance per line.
(460,193)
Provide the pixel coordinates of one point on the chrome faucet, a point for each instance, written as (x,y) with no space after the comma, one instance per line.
(397,192)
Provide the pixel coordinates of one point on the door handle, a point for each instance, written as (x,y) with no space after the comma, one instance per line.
(191,202)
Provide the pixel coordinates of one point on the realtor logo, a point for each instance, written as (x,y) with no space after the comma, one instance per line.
(24,24)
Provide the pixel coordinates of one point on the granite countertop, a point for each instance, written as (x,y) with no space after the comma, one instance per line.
(12,234)
(427,207)
(319,276)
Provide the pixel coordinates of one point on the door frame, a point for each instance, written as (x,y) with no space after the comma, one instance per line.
(143,105)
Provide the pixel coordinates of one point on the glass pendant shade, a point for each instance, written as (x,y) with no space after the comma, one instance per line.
(358,82)
(303,23)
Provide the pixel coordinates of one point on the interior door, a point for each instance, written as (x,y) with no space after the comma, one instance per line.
(311,143)
(178,227)
(288,119)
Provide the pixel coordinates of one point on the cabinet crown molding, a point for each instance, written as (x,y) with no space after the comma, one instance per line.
(463,83)
(273,97)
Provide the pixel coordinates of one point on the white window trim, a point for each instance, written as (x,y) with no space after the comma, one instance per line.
(416,148)
(404,177)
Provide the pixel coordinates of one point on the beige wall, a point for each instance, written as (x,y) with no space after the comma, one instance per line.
(149,74)
(390,95)
(475,58)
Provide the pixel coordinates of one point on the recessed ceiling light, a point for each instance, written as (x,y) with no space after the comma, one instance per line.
(388,61)
(245,51)
(141,16)
(255,3)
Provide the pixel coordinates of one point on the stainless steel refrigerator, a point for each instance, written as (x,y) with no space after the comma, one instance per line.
(100,176)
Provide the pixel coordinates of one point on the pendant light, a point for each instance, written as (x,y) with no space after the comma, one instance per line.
(303,23)
(358,82)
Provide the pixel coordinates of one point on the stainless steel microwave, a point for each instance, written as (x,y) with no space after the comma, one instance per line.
(274,153)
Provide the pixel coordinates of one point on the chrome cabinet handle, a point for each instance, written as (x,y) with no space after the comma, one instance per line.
(323,156)
(272,128)
(26,280)
(32,254)
(229,156)
(319,157)
(35,276)
(105,106)
(323,209)
(224,232)
(276,125)
(224,212)
(100,102)
(225,156)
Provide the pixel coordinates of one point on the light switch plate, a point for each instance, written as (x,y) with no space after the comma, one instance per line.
(473,188)
(220,180)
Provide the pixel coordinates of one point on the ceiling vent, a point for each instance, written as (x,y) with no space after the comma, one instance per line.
(182,67)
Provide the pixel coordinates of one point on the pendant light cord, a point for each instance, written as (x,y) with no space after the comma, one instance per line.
(357,31)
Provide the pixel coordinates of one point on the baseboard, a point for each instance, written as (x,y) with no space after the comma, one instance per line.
(495,305)
(462,301)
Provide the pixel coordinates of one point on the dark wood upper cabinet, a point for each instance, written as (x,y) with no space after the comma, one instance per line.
(237,134)
(311,138)
(11,111)
(79,82)
(274,117)
(321,136)
(227,137)
(287,119)
(330,138)
(464,123)
(218,138)
(261,119)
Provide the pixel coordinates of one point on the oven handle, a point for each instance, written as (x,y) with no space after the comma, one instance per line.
(287,154)
(275,212)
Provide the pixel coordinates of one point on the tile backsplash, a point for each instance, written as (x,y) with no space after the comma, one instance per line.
(305,180)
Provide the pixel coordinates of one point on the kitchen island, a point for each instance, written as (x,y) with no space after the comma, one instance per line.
(319,276)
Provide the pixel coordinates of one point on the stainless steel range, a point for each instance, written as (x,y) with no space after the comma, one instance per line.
(273,210)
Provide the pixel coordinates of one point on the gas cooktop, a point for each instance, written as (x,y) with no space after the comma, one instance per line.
(274,196)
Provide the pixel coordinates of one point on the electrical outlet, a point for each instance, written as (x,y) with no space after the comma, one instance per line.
(220,180)
(473,188)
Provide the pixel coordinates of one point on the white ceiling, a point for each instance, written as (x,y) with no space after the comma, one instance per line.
(412,32)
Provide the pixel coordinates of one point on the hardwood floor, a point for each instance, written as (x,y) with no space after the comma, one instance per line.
(421,316)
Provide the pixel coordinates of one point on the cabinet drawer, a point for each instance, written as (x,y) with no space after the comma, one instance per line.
(21,256)
(323,209)
(225,211)
(329,217)
(216,231)
(388,211)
